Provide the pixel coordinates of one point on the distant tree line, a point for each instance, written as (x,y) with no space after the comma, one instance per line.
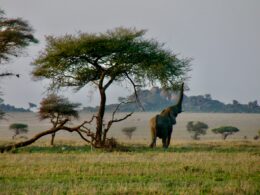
(9,108)
(157,99)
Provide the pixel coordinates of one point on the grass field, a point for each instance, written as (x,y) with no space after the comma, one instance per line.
(187,167)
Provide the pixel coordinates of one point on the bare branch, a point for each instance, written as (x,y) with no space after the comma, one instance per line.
(113,120)
(136,95)
(80,134)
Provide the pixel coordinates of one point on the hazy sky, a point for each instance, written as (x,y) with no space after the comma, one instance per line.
(222,36)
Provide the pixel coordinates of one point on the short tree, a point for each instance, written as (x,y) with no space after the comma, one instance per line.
(102,59)
(128,131)
(18,128)
(57,109)
(225,131)
(197,129)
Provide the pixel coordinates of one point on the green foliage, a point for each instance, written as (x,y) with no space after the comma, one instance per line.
(20,126)
(128,131)
(15,34)
(56,107)
(77,60)
(198,128)
(225,131)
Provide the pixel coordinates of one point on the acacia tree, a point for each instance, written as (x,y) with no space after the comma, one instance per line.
(57,109)
(198,128)
(225,131)
(105,58)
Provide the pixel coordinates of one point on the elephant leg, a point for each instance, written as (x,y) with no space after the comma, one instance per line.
(153,144)
(169,138)
(164,142)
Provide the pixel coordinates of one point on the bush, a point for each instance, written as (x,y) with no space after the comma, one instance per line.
(197,129)
(128,131)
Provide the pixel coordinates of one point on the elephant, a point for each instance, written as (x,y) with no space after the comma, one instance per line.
(161,124)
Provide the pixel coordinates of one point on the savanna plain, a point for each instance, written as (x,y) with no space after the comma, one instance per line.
(207,166)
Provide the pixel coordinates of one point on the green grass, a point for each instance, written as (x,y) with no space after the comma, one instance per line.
(185,168)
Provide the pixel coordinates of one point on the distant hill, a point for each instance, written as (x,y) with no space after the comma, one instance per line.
(157,99)
(10,108)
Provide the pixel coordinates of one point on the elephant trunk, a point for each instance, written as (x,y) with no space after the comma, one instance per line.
(179,103)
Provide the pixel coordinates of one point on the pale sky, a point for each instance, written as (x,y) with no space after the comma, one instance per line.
(222,36)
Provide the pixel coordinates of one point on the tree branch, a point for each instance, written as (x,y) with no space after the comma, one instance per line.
(109,83)
(9,74)
(136,94)
(113,120)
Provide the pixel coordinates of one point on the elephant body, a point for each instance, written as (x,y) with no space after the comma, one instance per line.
(161,124)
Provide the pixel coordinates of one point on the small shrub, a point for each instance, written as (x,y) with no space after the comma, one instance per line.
(128,131)
(18,128)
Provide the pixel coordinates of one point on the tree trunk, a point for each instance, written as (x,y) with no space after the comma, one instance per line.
(101,112)
(52,139)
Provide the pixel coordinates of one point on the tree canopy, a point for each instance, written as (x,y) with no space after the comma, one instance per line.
(57,107)
(15,35)
(76,60)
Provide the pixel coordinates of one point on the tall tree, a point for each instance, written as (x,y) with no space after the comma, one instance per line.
(15,35)
(105,58)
